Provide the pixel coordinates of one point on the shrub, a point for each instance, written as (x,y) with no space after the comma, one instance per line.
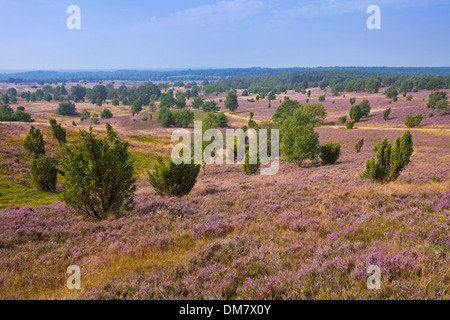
(365,108)
(165,118)
(330,152)
(172,180)
(43,173)
(106,114)
(391,160)
(435,98)
(85,115)
(322,98)
(34,142)
(231,102)
(221,120)
(341,120)
(350,125)
(286,110)
(95,119)
(8,114)
(299,141)
(413,121)
(386,114)
(58,132)
(356,113)
(409,97)
(98,175)
(359,145)
(435,179)
(115,102)
(250,169)
(316,112)
(182,118)
(136,107)
(66,109)
(352,101)
(441,105)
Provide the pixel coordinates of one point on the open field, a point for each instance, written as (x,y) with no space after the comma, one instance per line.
(306,233)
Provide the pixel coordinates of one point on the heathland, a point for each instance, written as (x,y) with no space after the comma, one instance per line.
(308,232)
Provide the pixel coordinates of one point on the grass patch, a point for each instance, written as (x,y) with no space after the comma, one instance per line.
(15,194)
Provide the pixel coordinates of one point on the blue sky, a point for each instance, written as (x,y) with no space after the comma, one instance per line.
(156,34)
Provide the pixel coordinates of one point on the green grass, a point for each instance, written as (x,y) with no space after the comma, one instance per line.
(15,194)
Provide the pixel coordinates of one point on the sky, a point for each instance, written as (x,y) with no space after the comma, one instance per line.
(174,34)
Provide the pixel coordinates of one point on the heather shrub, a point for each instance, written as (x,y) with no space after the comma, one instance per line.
(444,202)
(172,180)
(329,153)
(98,174)
(58,132)
(43,173)
(386,114)
(349,125)
(359,145)
(34,142)
(391,160)
(413,121)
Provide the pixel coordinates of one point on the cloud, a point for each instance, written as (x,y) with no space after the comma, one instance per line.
(212,15)
(335,7)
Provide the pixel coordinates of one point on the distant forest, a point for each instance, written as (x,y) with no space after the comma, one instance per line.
(252,74)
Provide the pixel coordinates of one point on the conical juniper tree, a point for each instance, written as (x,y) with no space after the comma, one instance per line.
(99,175)
(391,160)
(34,142)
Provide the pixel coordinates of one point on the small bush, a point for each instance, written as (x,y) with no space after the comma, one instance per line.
(250,169)
(85,115)
(356,113)
(66,109)
(413,121)
(350,124)
(359,145)
(58,132)
(34,142)
(106,114)
(409,97)
(391,160)
(172,180)
(341,120)
(435,178)
(386,114)
(43,173)
(98,174)
(330,152)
